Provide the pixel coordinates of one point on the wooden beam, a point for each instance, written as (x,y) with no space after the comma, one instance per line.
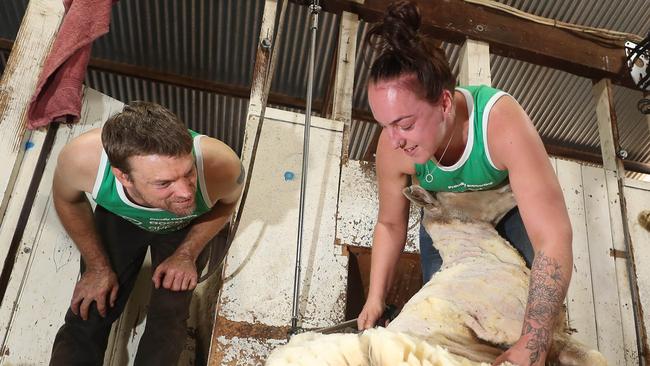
(265,61)
(455,20)
(628,291)
(475,63)
(35,37)
(607,126)
(328,98)
(344,82)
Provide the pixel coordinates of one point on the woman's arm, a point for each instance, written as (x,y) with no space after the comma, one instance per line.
(516,146)
(390,229)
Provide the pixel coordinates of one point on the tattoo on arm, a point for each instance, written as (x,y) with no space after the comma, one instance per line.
(545,297)
(242,174)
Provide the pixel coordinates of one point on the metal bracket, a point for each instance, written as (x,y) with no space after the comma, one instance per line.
(616,253)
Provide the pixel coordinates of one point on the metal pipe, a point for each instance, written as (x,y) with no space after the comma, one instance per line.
(315,10)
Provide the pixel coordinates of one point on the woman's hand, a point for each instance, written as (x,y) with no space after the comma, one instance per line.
(371,312)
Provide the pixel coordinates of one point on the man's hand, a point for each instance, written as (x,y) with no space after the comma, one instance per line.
(94,285)
(520,354)
(371,312)
(176,273)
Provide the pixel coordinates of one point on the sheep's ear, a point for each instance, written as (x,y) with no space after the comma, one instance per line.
(420,196)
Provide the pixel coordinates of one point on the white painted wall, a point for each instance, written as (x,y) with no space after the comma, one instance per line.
(259,270)
(359,206)
(637,196)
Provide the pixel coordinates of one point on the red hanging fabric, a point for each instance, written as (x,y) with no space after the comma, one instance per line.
(58,92)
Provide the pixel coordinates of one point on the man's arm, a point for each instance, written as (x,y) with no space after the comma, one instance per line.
(224,178)
(515,145)
(73,173)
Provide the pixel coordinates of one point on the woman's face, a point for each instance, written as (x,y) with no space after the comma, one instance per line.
(413,124)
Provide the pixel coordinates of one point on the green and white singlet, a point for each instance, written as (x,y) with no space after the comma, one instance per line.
(109,193)
(474,170)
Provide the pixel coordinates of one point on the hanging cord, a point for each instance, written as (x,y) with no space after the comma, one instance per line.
(315,10)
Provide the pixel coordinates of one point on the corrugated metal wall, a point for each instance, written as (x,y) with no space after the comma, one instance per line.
(216,41)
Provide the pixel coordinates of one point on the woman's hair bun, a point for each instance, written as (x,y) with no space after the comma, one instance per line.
(399,48)
(404,13)
(398,30)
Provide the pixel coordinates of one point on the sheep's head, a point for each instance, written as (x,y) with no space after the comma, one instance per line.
(487,206)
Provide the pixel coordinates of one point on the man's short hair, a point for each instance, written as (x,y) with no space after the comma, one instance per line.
(144,128)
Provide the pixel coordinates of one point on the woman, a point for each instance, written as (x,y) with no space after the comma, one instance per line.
(458,139)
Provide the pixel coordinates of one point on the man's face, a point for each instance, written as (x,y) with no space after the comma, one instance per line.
(164,182)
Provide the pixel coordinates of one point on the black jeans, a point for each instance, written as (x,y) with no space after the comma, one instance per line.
(83,342)
(511,227)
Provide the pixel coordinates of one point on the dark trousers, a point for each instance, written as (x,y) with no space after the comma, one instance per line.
(83,342)
(511,227)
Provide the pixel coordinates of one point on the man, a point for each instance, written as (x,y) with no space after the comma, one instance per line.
(155,184)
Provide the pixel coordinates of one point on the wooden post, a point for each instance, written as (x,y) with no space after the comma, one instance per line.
(628,295)
(344,84)
(475,63)
(35,37)
(265,60)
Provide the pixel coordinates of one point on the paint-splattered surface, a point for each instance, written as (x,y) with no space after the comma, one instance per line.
(255,307)
(358,207)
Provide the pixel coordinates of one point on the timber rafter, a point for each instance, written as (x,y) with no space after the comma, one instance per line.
(510,36)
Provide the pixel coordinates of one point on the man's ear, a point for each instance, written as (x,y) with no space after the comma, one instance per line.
(122,177)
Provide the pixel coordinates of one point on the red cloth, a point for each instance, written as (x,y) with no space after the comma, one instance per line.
(58,92)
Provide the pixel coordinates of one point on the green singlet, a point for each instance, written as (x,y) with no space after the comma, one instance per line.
(474,170)
(109,193)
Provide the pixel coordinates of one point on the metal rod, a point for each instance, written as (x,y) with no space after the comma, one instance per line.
(315,9)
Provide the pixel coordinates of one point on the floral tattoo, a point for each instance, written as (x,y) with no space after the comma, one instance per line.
(545,297)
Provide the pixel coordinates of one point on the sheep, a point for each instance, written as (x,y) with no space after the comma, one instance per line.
(468,313)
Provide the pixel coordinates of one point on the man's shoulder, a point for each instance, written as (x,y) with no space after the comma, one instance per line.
(80,158)
(221,164)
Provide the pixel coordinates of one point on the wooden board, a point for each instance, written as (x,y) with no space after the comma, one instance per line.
(358,208)
(605,284)
(255,305)
(47,264)
(475,63)
(31,152)
(33,42)
(580,297)
(637,195)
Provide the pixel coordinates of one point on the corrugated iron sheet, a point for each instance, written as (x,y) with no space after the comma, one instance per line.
(11,14)
(223,117)
(216,40)
(206,39)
